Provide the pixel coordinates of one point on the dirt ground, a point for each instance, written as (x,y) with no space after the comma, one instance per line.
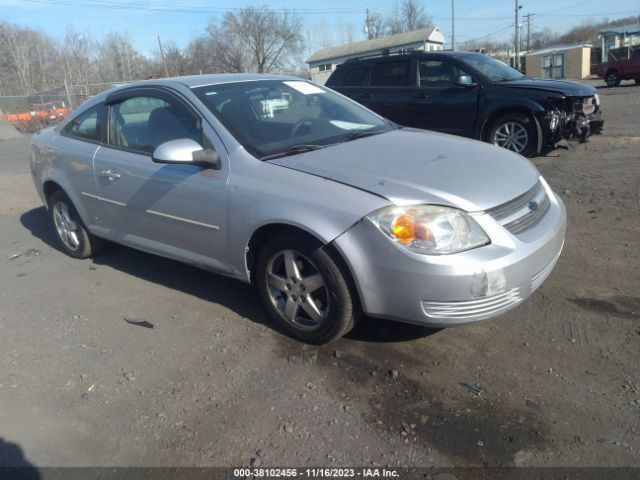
(554,382)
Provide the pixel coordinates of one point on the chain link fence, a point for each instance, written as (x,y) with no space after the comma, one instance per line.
(30,113)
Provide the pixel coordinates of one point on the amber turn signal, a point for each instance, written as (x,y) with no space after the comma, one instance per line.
(403,228)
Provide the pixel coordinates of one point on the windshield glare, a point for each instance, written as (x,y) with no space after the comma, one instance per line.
(271,116)
(492,68)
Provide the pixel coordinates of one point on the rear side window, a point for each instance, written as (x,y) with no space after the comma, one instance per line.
(390,74)
(85,126)
(354,77)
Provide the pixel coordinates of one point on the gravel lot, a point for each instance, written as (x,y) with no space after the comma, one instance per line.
(555,382)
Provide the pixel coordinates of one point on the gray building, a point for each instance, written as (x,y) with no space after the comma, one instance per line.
(324,62)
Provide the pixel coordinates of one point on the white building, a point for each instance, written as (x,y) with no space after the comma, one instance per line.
(324,62)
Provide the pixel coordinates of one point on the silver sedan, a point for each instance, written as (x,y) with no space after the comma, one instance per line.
(330,210)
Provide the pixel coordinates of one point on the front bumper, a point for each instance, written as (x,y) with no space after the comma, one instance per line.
(572,126)
(447,290)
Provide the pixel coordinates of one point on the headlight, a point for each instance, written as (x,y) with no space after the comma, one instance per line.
(430,229)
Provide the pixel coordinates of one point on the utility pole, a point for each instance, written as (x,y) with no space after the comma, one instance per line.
(164,62)
(528,17)
(367,27)
(517,62)
(128,61)
(453,24)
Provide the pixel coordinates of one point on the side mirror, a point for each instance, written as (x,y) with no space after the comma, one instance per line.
(465,81)
(186,151)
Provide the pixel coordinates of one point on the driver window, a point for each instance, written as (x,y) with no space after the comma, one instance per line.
(437,74)
(143,123)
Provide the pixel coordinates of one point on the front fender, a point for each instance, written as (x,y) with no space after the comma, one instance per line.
(262,193)
(497,107)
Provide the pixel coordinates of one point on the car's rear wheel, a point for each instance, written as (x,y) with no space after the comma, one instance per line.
(305,290)
(72,234)
(516,132)
(612,78)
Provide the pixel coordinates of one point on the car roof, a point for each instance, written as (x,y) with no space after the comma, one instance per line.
(190,81)
(417,53)
(210,79)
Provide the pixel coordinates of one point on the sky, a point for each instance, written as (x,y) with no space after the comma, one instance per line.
(329,21)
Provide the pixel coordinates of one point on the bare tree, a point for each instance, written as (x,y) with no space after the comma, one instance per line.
(175,58)
(345,30)
(119,61)
(28,60)
(257,39)
(200,55)
(230,53)
(407,16)
(77,52)
(376,25)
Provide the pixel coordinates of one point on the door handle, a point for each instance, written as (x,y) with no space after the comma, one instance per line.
(109,175)
(365,95)
(421,96)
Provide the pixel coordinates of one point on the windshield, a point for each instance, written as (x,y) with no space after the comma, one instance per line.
(271,117)
(492,68)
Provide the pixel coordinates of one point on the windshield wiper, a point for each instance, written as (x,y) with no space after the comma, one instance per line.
(361,134)
(292,150)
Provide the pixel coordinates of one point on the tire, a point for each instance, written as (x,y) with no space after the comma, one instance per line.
(295,278)
(72,234)
(516,132)
(612,78)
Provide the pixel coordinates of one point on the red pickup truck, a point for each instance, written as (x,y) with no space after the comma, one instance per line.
(613,72)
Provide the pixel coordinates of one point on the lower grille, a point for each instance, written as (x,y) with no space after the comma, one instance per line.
(542,275)
(486,307)
(473,309)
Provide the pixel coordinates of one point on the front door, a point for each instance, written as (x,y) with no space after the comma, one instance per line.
(438,103)
(179,210)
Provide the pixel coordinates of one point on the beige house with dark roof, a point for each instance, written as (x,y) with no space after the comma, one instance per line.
(324,62)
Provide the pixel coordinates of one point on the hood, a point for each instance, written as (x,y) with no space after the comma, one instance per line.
(569,89)
(409,166)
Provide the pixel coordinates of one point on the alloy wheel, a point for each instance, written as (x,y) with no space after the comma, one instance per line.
(512,136)
(297,290)
(66,226)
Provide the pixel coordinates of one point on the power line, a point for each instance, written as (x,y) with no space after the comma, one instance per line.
(350,10)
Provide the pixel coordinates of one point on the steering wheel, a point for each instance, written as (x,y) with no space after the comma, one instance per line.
(298,125)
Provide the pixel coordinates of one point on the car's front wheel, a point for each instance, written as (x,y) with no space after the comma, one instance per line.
(305,290)
(72,234)
(515,131)
(612,78)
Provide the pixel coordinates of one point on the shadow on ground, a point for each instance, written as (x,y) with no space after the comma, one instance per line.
(232,294)
(14,465)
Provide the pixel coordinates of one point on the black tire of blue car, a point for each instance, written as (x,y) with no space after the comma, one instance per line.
(72,234)
(612,78)
(516,132)
(328,294)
